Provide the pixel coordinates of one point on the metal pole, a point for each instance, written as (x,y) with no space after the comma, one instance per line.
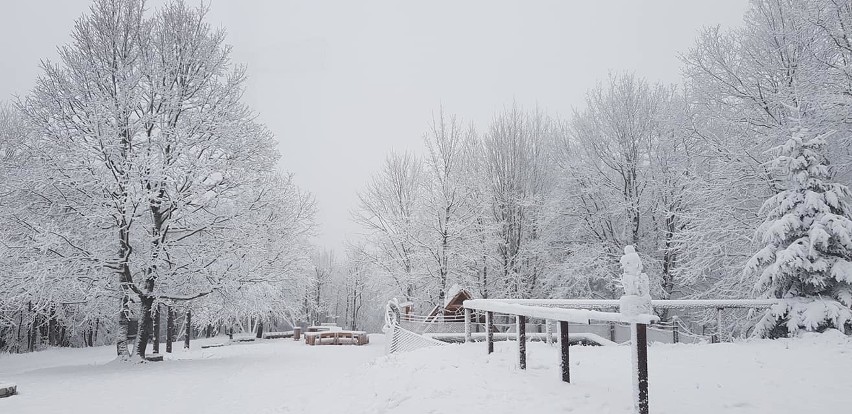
(640,359)
(522,341)
(563,339)
(489,329)
(467,336)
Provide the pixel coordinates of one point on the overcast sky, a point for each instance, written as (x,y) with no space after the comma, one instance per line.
(342,83)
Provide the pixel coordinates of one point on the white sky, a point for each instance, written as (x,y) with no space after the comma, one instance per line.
(341,83)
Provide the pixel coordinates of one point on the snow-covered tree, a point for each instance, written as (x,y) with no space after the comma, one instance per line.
(388,213)
(807,258)
(153,170)
(447,215)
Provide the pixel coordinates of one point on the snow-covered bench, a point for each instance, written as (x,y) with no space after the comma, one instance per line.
(277,335)
(338,337)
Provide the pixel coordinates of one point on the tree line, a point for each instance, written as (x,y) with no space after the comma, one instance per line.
(538,205)
(134,179)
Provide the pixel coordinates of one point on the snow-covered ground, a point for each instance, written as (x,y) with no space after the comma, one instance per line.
(808,375)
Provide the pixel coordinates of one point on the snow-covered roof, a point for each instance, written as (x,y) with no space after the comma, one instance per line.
(451,293)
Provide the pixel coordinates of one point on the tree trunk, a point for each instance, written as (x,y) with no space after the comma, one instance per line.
(170,328)
(188,329)
(157,327)
(121,335)
(146,324)
(52,339)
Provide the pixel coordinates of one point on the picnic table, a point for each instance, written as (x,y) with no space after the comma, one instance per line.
(323,328)
(336,337)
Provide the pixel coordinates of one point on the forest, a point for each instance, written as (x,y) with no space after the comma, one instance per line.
(135,181)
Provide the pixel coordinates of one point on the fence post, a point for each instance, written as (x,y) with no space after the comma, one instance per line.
(563,339)
(467,337)
(612,331)
(489,329)
(640,361)
(548,332)
(522,340)
(719,323)
(675,332)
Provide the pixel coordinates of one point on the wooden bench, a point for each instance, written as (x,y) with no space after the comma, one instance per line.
(338,337)
(277,335)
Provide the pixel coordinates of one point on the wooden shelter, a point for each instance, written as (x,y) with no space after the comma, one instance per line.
(454,303)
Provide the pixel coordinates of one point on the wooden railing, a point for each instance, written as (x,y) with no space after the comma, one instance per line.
(521,312)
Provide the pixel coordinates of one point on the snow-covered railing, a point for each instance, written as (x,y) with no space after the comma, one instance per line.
(556,314)
(656,303)
(638,322)
(398,338)
(719,305)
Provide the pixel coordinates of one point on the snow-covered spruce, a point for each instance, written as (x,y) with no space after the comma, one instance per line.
(807,258)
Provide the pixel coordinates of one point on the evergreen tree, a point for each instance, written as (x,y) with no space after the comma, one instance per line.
(807,260)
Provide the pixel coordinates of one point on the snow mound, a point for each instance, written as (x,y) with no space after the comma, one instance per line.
(829,337)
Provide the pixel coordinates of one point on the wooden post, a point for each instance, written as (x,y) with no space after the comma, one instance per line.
(259,333)
(563,339)
(489,330)
(188,329)
(522,341)
(719,323)
(157,327)
(640,365)
(612,331)
(675,332)
(548,332)
(467,336)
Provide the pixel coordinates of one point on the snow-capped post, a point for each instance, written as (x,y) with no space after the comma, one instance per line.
(489,330)
(637,295)
(467,337)
(563,340)
(522,341)
(636,301)
(548,332)
(719,323)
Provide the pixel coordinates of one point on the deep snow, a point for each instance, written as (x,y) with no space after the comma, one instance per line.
(810,374)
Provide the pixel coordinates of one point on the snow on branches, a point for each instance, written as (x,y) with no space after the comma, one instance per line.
(807,257)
